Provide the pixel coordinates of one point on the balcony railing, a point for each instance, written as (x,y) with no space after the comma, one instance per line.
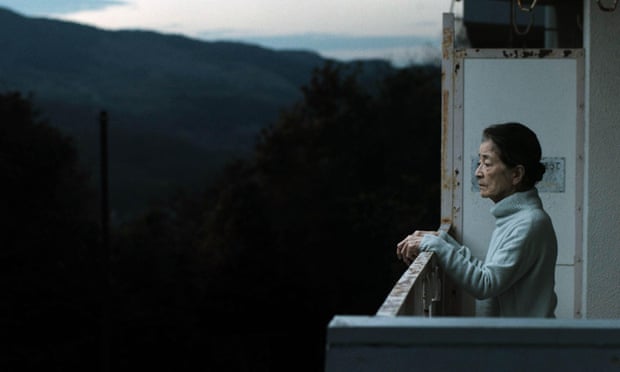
(417,292)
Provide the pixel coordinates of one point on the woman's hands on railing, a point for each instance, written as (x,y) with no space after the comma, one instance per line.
(409,248)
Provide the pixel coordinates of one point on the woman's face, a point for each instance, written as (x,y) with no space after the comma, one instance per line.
(495,179)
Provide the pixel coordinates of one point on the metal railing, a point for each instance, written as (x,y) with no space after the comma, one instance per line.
(419,290)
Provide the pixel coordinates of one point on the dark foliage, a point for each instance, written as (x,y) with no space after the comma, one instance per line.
(179,108)
(247,276)
(48,243)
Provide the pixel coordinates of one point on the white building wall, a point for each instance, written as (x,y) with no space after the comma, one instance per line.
(557,122)
(601,295)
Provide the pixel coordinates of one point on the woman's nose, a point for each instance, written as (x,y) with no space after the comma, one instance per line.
(478,172)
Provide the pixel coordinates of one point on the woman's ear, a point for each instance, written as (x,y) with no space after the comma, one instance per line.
(518,173)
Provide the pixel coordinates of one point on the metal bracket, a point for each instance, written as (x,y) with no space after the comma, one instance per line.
(431,291)
(531,15)
(530,8)
(607,8)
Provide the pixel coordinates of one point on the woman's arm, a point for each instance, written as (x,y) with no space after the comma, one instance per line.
(482,280)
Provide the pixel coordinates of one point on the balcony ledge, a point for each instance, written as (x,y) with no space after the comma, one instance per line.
(382,343)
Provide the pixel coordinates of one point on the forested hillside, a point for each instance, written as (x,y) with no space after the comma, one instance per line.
(243,276)
(243,260)
(179,108)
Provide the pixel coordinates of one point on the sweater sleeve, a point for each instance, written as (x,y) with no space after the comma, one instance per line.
(482,280)
(460,249)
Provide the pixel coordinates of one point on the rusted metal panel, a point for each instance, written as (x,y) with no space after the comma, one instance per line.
(447,83)
(451,150)
(579,185)
(570,174)
(518,53)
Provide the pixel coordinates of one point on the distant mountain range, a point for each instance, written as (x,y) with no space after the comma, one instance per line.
(178,108)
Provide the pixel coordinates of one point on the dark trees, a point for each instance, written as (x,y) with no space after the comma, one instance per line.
(48,242)
(247,275)
(307,227)
(250,273)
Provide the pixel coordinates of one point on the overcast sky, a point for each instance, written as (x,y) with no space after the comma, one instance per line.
(398,30)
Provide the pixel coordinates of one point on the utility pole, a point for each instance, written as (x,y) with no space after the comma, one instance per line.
(104,357)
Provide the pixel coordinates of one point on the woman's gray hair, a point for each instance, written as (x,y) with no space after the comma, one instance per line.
(518,145)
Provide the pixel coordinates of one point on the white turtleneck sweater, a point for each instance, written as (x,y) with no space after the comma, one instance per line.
(517,276)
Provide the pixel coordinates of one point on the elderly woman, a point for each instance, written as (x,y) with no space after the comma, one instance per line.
(517,276)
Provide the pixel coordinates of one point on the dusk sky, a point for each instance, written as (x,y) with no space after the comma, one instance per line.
(398,30)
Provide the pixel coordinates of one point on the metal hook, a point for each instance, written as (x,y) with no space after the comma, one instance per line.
(529,26)
(532,6)
(607,8)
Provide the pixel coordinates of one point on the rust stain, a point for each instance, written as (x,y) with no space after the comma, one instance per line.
(447,42)
(540,53)
(527,54)
(443,77)
(446,225)
(444,137)
(545,52)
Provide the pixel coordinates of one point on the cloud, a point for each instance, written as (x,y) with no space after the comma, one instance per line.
(45,7)
(401,50)
(317,25)
(271,17)
(398,56)
(326,42)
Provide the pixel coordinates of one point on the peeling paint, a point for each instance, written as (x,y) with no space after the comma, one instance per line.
(444,137)
(545,52)
(447,42)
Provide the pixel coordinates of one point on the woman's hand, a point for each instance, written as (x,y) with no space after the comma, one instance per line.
(409,248)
